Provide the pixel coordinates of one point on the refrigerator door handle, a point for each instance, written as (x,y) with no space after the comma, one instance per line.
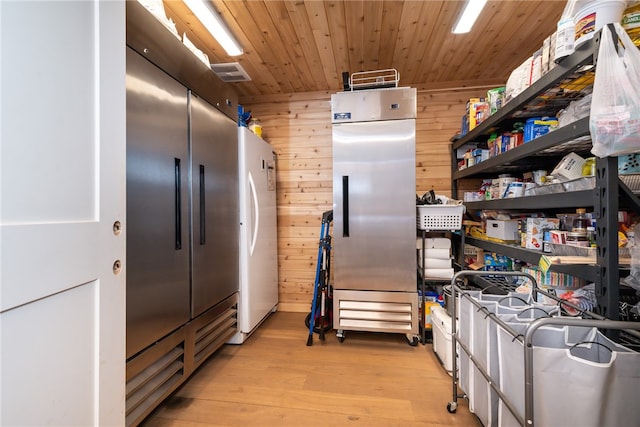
(256,211)
(203,220)
(178,203)
(345,206)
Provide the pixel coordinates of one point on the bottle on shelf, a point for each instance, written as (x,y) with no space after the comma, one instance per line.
(580,221)
(591,236)
(565,34)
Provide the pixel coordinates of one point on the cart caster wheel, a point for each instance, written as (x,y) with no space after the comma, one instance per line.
(413,341)
(451,407)
(341,339)
(340,334)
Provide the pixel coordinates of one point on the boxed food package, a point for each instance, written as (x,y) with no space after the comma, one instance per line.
(477,111)
(519,79)
(546,46)
(538,126)
(495,98)
(552,50)
(428,306)
(570,167)
(503,230)
(474,196)
(554,279)
(464,125)
(499,186)
(534,229)
(480,155)
(536,67)
(495,262)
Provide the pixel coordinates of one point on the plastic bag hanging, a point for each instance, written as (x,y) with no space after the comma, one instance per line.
(615,106)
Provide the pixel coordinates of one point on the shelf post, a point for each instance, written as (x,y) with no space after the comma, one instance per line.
(606,211)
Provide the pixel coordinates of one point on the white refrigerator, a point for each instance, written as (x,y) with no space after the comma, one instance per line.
(258,233)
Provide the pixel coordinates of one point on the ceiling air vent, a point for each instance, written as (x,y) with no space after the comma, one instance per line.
(230,72)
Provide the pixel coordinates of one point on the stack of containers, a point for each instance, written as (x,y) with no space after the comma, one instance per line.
(437,258)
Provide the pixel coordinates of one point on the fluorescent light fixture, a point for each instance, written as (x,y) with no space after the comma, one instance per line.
(468,16)
(214,24)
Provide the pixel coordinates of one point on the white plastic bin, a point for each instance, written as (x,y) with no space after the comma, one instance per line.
(439,217)
(441,322)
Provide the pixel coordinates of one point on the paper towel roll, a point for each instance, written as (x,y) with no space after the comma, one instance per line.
(438,273)
(435,263)
(436,253)
(434,243)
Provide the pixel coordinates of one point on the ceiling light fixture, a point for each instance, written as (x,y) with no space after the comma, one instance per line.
(468,16)
(214,24)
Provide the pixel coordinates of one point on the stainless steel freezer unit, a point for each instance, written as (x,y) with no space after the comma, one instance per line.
(182,223)
(374,211)
(157,225)
(215,205)
(258,234)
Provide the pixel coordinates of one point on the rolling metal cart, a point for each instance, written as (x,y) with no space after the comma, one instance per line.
(549,347)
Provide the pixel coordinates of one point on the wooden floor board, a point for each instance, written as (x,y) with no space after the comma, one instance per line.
(275,379)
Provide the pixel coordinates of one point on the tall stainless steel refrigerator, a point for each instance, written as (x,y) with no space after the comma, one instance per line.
(182,205)
(374,186)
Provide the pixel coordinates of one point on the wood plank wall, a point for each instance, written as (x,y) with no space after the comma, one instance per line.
(299,128)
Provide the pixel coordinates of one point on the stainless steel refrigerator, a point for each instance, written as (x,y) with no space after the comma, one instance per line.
(182,205)
(374,211)
(157,225)
(258,234)
(215,205)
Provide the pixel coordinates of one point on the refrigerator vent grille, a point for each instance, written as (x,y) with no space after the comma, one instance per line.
(149,386)
(230,72)
(212,335)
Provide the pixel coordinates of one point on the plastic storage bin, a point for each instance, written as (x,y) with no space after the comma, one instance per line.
(439,217)
(441,322)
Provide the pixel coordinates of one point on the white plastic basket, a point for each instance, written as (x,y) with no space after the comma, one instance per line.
(439,217)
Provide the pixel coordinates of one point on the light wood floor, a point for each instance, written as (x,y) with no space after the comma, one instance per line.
(274,379)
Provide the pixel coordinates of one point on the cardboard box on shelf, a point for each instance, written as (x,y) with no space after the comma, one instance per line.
(552,50)
(499,186)
(477,111)
(480,154)
(546,45)
(496,262)
(503,230)
(534,228)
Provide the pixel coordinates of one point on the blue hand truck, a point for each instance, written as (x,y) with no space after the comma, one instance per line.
(320,319)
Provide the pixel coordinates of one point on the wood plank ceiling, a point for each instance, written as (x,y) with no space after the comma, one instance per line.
(304,46)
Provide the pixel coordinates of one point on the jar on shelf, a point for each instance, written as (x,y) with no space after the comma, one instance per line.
(580,221)
(589,167)
(578,238)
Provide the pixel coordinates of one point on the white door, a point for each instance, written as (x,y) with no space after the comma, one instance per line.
(62,211)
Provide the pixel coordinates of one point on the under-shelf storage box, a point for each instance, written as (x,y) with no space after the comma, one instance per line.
(441,323)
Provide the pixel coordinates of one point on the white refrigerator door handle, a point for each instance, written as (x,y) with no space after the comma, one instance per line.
(256,209)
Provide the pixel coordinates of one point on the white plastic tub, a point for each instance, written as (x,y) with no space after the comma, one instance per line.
(594,15)
(441,323)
